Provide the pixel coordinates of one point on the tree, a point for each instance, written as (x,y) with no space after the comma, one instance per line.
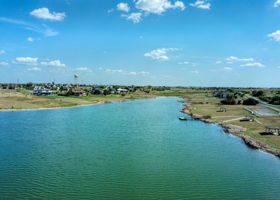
(250,102)
(29,84)
(106,92)
(230,100)
(258,93)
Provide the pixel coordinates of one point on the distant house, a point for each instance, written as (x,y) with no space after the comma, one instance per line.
(30,87)
(54,87)
(13,86)
(113,91)
(77,92)
(65,88)
(121,90)
(42,92)
(131,89)
(4,86)
(221,94)
(96,91)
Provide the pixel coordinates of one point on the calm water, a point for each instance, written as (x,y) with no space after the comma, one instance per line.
(130,150)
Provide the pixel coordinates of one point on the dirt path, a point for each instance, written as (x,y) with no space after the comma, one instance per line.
(235,119)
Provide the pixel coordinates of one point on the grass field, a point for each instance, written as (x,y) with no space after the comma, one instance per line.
(22,99)
(233,115)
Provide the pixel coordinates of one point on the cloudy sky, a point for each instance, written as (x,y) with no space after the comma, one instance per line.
(141,42)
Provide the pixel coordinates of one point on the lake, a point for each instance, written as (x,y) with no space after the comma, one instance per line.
(130,150)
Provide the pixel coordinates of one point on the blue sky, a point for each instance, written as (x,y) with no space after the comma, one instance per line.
(141,42)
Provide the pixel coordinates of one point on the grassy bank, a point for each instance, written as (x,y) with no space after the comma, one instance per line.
(22,99)
(203,103)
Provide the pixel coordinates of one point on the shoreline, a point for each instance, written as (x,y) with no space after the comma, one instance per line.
(234,130)
(228,128)
(54,108)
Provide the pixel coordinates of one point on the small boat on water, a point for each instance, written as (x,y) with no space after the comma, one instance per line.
(182,118)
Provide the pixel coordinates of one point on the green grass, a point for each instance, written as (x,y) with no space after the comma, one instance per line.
(254,129)
(22,99)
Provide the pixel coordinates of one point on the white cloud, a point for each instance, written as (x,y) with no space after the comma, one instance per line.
(277,4)
(145,7)
(43,29)
(123,7)
(187,63)
(44,13)
(29,61)
(233,58)
(34,69)
(275,35)
(218,62)
(184,63)
(110,10)
(160,54)
(158,6)
(30,39)
(227,68)
(134,17)
(82,69)
(26,61)
(139,73)
(114,70)
(123,72)
(202,4)
(255,64)
(4,63)
(195,72)
(2,51)
(53,63)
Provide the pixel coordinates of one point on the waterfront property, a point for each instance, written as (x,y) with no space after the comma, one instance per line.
(122,90)
(221,94)
(42,92)
(77,92)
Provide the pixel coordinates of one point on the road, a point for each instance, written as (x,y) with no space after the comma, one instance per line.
(265,104)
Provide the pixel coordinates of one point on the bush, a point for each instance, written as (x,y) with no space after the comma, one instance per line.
(207,117)
(265,98)
(275,100)
(258,93)
(250,102)
(230,100)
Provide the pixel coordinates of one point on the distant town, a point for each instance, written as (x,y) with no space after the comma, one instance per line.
(48,89)
(229,96)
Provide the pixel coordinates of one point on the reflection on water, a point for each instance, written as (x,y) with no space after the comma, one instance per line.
(129,150)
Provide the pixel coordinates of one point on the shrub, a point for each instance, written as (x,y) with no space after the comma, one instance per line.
(228,102)
(258,93)
(250,102)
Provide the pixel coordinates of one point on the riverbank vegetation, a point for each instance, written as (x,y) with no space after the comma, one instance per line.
(208,104)
(22,98)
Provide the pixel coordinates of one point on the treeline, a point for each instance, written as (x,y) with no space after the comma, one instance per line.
(269,97)
(234,97)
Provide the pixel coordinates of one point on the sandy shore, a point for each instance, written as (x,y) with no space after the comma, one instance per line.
(34,109)
(234,130)
(97,103)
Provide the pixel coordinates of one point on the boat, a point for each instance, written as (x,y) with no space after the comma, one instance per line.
(182,118)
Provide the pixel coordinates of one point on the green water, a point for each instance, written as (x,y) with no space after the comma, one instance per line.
(129,150)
